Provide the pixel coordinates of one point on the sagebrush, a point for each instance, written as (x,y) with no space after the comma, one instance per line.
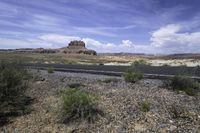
(12,82)
(144,106)
(132,75)
(13,85)
(184,83)
(50,70)
(139,62)
(78,104)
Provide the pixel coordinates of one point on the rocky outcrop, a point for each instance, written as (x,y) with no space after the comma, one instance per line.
(74,47)
(77,47)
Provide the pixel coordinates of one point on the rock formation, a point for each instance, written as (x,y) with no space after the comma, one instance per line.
(74,47)
(77,47)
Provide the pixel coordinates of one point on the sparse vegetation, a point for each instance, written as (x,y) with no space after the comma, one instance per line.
(62,79)
(110,80)
(139,62)
(176,111)
(184,83)
(78,104)
(101,64)
(120,101)
(132,75)
(11,82)
(144,106)
(75,85)
(38,77)
(13,85)
(61,58)
(50,70)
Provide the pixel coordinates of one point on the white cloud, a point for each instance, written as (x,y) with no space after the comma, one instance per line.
(166,30)
(8,43)
(44,20)
(165,40)
(60,40)
(110,46)
(92,43)
(104,31)
(169,39)
(94,31)
(127,44)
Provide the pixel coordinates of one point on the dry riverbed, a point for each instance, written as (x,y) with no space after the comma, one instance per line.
(120,102)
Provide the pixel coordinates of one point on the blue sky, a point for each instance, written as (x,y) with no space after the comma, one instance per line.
(140,26)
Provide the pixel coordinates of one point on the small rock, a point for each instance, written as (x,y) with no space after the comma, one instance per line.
(172,128)
(162,125)
(139,128)
(171,121)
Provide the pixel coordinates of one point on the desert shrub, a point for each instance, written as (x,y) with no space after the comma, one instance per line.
(78,104)
(38,77)
(75,85)
(12,85)
(50,70)
(109,80)
(144,106)
(184,83)
(176,111)
(132,75)
(139,62)
(101,64)
(62,79)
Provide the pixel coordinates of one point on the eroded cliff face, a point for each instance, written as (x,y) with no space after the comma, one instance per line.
(77,47)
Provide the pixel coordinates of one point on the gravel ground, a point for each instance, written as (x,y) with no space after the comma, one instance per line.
(169,111)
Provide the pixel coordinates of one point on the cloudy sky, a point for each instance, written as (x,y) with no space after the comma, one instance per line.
(137,26)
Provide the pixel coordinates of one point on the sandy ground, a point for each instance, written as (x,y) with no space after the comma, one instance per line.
(160,62)
(176,62)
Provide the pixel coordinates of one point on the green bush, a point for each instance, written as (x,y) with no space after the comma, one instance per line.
(132,75)
(184,83)
(38,77)
(12,85)
(50,70)
(176,110)
(78,104)
(139,62)
(75,85)
(145,106)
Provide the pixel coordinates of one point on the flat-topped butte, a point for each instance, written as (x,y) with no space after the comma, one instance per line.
(74,47)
